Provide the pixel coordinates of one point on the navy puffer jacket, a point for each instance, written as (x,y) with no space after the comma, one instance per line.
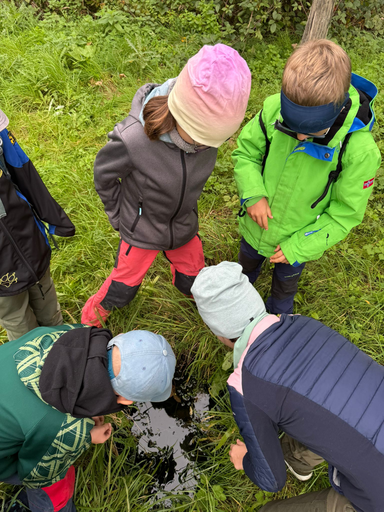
(307,380)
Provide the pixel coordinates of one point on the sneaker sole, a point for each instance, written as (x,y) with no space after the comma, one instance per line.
(302,478)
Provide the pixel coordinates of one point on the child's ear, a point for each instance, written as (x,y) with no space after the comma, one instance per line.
(123,401)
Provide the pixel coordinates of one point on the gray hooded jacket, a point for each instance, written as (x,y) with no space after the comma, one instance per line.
(150,188)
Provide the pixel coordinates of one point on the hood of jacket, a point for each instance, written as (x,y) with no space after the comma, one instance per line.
(172,137)
(158,90)
(69,371)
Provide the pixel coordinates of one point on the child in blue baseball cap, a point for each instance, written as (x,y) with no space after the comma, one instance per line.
(57,383)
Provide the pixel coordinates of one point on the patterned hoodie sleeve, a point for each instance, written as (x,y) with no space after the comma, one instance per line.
(71,441)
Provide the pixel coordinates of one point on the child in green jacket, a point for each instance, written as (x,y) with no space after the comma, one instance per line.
(305,166)
(56,385)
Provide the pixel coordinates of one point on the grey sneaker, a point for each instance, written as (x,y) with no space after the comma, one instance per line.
(302,478)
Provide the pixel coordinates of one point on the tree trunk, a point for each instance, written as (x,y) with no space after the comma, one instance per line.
(319,20)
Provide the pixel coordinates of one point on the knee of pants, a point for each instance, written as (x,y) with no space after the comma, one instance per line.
(183,282)
(282,290)
(285,284)
(277,306)
(248,263)
(310,502)
(118,295)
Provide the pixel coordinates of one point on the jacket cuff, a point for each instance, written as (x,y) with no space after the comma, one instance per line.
(289,254)
(251,201)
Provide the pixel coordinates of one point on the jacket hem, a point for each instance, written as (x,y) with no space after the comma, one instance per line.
(151,247)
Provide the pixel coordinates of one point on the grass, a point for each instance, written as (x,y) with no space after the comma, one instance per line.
(64,84)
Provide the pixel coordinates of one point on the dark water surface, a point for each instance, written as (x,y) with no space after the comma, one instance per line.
(167,436)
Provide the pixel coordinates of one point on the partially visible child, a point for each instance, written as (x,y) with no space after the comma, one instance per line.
(305,166)
(153,170)
(56,385)
(27,293)
(294,374)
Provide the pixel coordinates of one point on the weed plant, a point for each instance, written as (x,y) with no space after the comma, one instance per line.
(65,82)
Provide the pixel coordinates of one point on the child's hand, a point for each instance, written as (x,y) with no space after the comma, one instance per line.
(101,433)
(237,453)
(278,257)
(259,212)
(99,420)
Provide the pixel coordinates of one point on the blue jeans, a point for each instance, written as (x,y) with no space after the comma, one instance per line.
(36,499)
(284,282)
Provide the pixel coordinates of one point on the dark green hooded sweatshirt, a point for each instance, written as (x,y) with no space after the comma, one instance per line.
(37,442)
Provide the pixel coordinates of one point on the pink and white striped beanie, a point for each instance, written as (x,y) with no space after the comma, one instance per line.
(211,95)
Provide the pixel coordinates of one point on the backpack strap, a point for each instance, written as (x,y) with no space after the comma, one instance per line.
(267,141)
(333,175)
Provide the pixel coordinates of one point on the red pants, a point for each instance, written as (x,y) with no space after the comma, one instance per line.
(131,265)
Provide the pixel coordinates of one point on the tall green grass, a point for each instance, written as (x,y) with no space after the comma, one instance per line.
(64,84)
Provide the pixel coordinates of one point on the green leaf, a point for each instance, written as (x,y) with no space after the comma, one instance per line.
(273,28)
(219,382)
(224,439)
(218,493)
(228,361)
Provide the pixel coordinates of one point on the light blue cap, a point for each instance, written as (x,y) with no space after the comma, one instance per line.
(147,366)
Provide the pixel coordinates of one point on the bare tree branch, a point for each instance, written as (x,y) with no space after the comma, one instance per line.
(319,20)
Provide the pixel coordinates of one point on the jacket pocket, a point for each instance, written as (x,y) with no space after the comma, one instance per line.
(139,213)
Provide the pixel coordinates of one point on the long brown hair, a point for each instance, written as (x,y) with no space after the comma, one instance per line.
(157,117)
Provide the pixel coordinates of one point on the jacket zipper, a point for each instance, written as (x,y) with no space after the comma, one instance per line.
(21,256)
(181,195)
(140,211)
(331,178)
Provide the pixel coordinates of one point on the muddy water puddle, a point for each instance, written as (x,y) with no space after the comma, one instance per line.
(168,434)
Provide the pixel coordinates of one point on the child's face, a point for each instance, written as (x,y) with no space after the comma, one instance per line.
(184,135)
(226,341)
(321,133)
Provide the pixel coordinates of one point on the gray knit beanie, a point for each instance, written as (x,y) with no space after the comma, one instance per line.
(226,300)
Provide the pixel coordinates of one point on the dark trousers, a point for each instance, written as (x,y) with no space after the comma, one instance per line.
(284,281)
(327,500)
(303,461)
(37,500)
(23,312)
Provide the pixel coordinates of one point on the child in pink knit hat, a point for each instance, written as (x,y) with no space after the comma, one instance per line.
(153,169)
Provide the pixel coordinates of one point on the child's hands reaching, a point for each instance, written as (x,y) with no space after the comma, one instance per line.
(237,453)
(278,257)
(101,432)
(99,420)
(259,212)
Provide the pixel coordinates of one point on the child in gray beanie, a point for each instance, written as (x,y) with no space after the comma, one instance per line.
(296,375)
(229,305)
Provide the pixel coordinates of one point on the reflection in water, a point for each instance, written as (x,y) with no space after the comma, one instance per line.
(167,436)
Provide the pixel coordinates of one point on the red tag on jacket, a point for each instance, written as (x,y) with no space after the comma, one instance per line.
(62,491)
(368,183)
